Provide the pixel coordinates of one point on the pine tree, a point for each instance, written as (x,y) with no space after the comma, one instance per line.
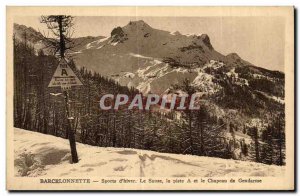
(280,138)
(268,147)
(253,131)
(61,26)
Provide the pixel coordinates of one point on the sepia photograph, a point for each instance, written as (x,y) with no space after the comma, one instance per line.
(150,98)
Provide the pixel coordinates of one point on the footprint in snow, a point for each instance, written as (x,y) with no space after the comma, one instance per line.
(89,169)
(121,168)
(94,165)
(119,160)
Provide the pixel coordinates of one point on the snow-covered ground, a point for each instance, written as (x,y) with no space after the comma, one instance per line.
(37,154)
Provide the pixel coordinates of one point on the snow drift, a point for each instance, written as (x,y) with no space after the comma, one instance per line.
(37,154)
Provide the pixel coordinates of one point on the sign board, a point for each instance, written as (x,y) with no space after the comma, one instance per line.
(64,77)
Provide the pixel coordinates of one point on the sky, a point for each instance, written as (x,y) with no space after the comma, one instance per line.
(259,40)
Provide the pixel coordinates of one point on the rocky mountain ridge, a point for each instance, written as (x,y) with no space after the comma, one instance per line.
(152,60)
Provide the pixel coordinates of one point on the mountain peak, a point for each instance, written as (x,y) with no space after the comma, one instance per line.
(140,24)
(233,56)
(31,34)
(137,22)
(175,33)
(206,41)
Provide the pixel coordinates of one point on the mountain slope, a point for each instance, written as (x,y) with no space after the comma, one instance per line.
(38,154)
(39,42)
(135,42)
(152,60)
(141,56)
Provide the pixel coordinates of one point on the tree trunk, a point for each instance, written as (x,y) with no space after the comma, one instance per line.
(70,132)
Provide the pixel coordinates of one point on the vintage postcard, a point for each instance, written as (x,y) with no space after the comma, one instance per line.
(150,98)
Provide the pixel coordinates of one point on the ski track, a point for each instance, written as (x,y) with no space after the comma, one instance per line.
(38,154)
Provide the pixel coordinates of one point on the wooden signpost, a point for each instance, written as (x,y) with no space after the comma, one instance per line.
(65,78)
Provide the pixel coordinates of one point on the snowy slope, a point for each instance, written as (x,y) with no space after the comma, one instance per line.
(38,154)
